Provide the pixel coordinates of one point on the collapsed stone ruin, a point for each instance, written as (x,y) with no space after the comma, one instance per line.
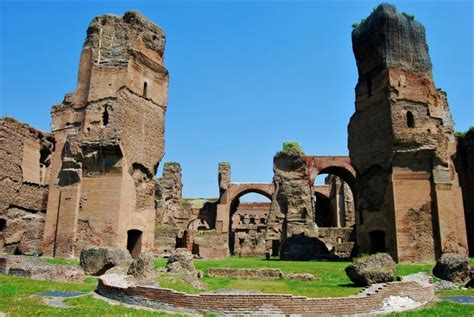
(91,180)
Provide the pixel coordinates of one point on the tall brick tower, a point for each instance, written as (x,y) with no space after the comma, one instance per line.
(401,144)
(109,140)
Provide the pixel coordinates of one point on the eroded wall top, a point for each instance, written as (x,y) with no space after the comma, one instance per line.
(389,39)
(113,38)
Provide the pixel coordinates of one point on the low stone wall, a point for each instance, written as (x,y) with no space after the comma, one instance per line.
(39,269)
(373,299)
(244,273)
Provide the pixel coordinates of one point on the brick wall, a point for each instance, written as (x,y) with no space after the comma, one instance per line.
(268,303)
(244,273)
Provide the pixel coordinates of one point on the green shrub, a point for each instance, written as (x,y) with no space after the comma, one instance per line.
(292,146)
(355,25)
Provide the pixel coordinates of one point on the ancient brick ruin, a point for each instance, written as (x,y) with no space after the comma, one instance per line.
(25,160)
(109,141)
(401,144)
(91,181)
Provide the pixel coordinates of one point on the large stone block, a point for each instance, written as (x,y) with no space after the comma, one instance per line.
(452,267)
(377,268)
(97,260)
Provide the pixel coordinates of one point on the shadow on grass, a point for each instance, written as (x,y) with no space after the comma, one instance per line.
(349,285)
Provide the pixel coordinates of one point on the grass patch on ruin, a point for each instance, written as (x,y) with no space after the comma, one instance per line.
(292,146)
(330,277)
(59,261)
(18,297)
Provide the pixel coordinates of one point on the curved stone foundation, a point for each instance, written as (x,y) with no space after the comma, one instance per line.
(377,298)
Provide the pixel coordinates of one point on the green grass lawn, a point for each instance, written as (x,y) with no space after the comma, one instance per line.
(331,280)
(18,295)
(18,298)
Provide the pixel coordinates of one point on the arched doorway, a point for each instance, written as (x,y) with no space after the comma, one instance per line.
(134,242)
(247,223)
(334,197)
(323,210)
(377,241)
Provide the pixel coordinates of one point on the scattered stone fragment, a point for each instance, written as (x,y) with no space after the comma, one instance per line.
(142,267)
(470,284)
(452,267)
(180,265)
(95,261)
(421,278)
(443,285)
(377,268)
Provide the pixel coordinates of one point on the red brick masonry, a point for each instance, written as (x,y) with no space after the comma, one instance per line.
(364,302)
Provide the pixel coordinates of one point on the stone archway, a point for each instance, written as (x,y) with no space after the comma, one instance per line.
(236,190)
(248,224)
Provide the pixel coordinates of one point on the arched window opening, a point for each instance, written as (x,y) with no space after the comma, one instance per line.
(263,220)
(145,88)
(105,116)
(410,120)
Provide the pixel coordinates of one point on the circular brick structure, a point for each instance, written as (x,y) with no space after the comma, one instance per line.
(376,298)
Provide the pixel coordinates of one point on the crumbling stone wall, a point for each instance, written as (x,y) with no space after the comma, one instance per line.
(25,159)
(291,217)
(401,144)
(465,168)
(184,223)
(110,139)
(171,209)
(172,213)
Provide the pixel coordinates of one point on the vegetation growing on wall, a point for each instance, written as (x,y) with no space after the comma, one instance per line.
(292,146)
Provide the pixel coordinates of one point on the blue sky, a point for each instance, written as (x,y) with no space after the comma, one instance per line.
(245,76)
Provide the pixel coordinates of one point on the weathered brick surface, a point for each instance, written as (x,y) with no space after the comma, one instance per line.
(244,273)
(401,144)
(24,170)
(109,140)
(285,304)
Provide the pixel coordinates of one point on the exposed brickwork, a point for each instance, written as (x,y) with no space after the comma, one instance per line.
(109,140)
(25,158)
(252,303)
(401,144)
(244,273)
